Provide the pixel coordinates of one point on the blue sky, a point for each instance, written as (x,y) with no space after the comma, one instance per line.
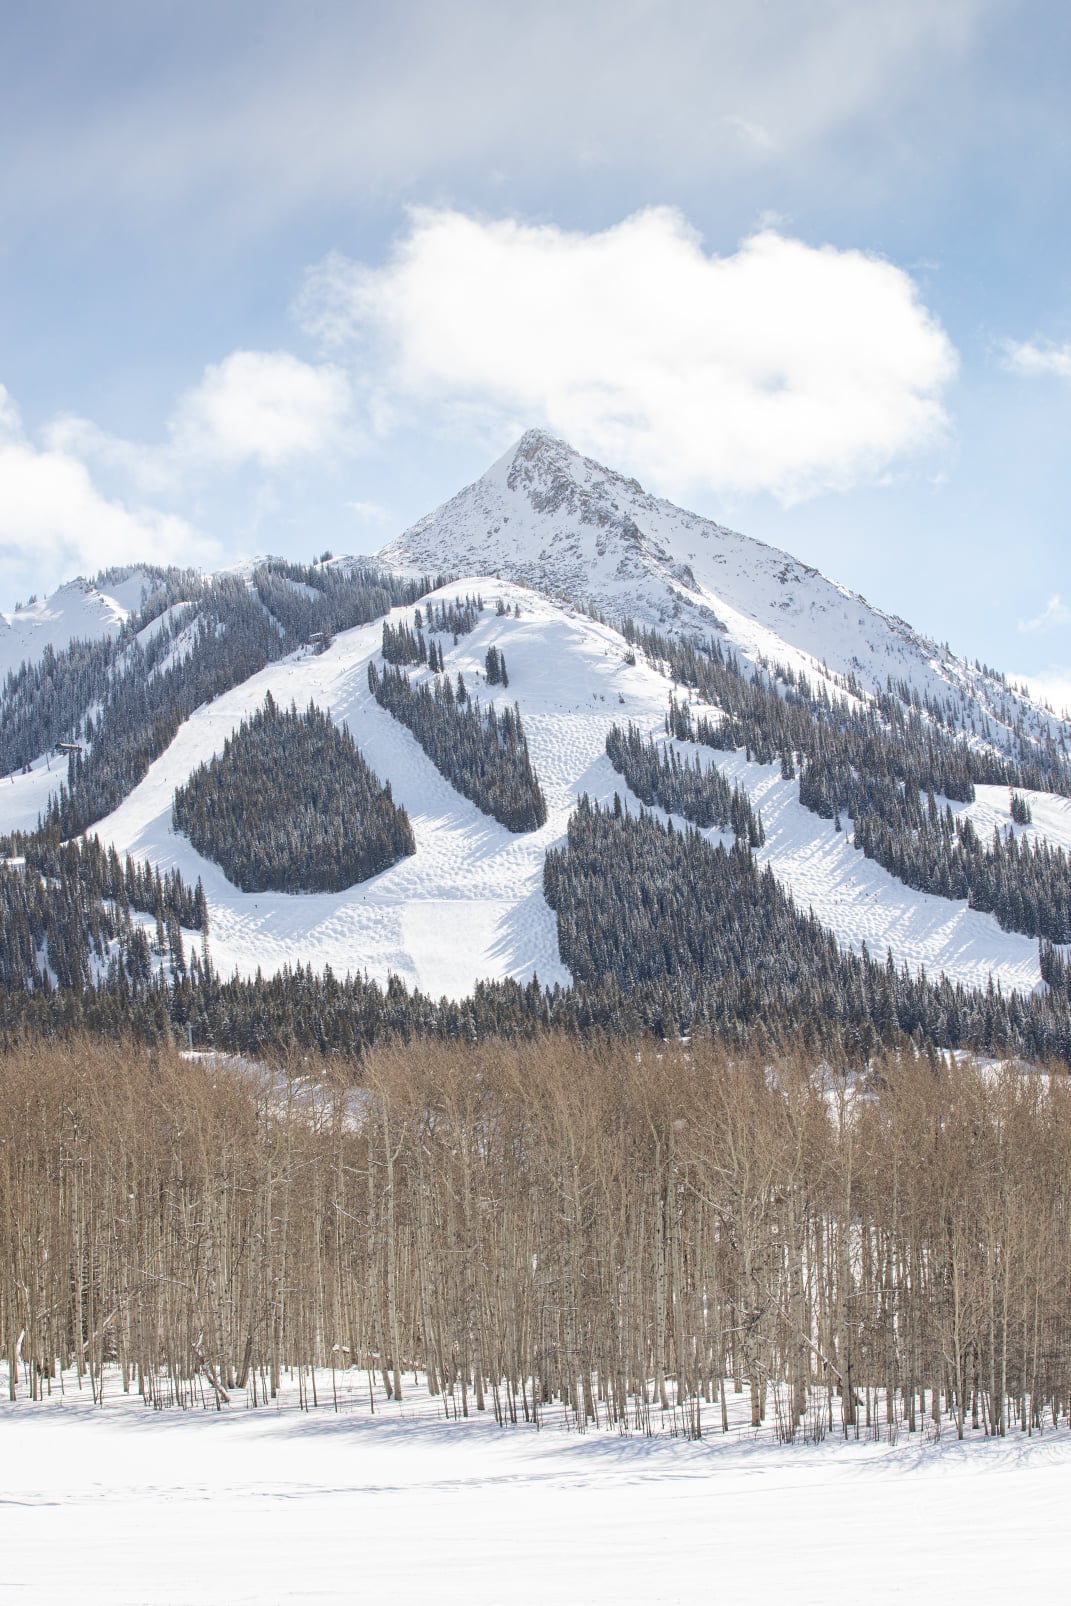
(278,277)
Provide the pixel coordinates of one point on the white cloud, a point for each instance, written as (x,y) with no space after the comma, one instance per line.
(55,522)
(782,367)
(369,512)
(10,422)
(1032,359)
(267,408)
(1056,615)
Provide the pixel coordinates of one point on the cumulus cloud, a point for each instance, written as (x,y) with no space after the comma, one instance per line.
(1056,615)
(1032,359)
(267,408)
(782,367)
(55,521)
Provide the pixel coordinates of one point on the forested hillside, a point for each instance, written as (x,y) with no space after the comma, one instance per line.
(646,929)
(698,793)
(67,925)
(121,702)
(892,771)
(664,933)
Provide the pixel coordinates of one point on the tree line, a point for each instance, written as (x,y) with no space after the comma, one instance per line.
(67,926)
(405,644)
(663,933)
(124,701)
(701,939)
(698,793)
(885,767)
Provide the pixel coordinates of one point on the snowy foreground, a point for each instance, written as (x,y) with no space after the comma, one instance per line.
(276,1504)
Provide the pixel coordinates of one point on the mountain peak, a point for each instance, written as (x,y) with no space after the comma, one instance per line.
(550,518)
(541,456)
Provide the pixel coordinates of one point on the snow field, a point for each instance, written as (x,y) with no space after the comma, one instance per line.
(992,809)
(24,798)
(862,904)
(119,1505)
(548,516)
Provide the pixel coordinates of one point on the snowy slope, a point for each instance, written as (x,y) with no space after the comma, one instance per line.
(563,523)
(78,611)
(469,904)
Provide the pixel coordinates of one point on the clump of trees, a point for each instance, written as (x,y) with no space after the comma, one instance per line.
(482,752)
(402,645)
(453,618)
(694,937)
(405,644)
(291,806)
(1026,885)
(67,918)
(623,1234)
(495,667)
(698,793)
(664,934)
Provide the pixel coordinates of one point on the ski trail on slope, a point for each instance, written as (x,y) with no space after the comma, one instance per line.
(468,905)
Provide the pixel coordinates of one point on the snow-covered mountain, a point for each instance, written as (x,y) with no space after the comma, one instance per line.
(545,535)
(547,517)
(468,904)
(81,610)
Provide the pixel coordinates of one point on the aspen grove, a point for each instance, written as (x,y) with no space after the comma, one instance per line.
(628,1231)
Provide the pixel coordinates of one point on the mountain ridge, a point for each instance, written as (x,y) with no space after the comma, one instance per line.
(582,534)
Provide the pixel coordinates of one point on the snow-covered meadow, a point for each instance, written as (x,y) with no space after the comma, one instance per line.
(116,1504)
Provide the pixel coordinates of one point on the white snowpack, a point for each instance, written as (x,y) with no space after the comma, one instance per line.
(547,516)
(115,1505)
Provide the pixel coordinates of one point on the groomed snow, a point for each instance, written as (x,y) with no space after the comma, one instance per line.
(469,904)
(118,1506)
(864,905)
(24,797)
